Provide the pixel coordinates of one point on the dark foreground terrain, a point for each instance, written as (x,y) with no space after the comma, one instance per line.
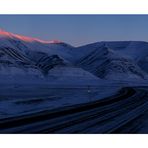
(125,112)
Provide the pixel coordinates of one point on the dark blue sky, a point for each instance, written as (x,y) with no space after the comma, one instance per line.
(78,29)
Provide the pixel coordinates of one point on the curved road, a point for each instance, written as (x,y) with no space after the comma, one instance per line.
(115,114)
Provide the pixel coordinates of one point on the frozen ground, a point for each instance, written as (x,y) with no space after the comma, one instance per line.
(17,99)
(28,99)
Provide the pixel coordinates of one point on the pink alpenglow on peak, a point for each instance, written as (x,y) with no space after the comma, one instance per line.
(25,38)
(55,42)
(4,33)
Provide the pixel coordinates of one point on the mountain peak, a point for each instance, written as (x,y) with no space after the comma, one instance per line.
(4,33)
(25,38)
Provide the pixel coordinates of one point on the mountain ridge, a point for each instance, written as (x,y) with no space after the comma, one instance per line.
(105,60)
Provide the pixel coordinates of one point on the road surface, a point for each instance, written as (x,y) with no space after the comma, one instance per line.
(120,113)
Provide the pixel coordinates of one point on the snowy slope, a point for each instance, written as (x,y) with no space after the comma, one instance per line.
(136,50)
(27,44)
(28,58)
(23,52)
(107,63)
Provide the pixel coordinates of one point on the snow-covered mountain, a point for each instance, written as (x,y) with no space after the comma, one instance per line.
(105,62)
(24,52)
(25,56)
(135,50)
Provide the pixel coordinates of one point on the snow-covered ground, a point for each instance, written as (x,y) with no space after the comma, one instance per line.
(17,99)
(26,99)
